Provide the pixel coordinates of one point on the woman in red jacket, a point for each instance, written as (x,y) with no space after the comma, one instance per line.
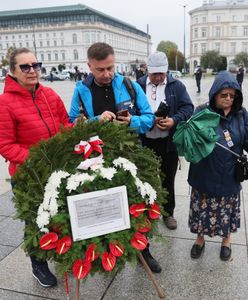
(29,112)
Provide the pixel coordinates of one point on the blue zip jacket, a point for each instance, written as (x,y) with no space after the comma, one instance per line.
(178,99)
(214,175)
(142,122)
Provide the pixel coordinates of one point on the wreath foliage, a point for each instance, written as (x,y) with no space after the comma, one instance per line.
(58,154)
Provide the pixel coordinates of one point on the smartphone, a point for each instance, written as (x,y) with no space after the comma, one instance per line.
(122,113)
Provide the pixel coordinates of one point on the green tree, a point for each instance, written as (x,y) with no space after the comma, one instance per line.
(167,47)
(61,67)
(241,58)
(5,60)
(213,60)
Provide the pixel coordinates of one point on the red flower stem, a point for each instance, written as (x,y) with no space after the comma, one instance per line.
(66,285)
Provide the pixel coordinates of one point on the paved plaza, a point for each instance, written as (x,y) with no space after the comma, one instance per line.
(182,278)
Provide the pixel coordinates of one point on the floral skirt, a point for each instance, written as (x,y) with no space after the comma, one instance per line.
(214,215)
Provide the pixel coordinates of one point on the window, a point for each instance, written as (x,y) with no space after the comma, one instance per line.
(195,49)
(13,37)
(245,47)
(218,18)
(62,42)
(40,35)
(47,34)
(217,31)
(61,33)
(245,31)
(20,36)
(26,36)
(42,57)
(55,43)
(233,31)
(245,17)
(49,56)
(54,34)
(87,37)
(204,32)
(75,53)
(217,47)
(74,38)
(56,56)
(204,19)
(233,18)
(20,45)
(196,32)
(93,37)
(196,20)
(233,48)
(41,44)
(48,43)
(203,48)
(63,56)
(27,44)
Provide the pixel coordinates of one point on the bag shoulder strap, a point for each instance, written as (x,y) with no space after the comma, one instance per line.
(130,88)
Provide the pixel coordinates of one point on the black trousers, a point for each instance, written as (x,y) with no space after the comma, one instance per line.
(198,84)
(168,167)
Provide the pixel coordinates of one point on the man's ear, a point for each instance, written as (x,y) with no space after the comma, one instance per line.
(89,65)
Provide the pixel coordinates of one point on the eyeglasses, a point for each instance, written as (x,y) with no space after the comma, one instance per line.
(154,90)
(225,95)
(25,68)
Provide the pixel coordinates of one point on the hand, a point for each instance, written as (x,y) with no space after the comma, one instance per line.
(124,120)
(165,124)
(107,116)
(80,118)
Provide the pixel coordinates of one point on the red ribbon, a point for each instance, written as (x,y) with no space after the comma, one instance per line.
(87,147)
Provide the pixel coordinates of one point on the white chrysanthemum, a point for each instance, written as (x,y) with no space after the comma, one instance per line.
(78,179)
(107,173)
(140,187)
(151,193)
(126,164)
(43,219)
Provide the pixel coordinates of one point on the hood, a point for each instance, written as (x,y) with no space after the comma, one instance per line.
(226,80)
(12,86)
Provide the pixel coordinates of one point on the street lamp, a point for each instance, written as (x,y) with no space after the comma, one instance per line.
(184,39)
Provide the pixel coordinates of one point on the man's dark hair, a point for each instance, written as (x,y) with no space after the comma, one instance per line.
(99,51)
(13,55)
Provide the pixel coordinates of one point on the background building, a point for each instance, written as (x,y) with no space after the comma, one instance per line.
(221,26)
(62,35)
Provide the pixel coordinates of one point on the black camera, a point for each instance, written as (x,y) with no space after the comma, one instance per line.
(163,110)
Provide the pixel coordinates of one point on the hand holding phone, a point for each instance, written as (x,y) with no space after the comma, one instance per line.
(122,113)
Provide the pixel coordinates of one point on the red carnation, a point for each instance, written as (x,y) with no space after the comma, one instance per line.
(154,211)
(48,241)
(64,245)
(137,209)
(108,261)
(116,249)
(91,254)
(143,228)
(139,241)
(81,268)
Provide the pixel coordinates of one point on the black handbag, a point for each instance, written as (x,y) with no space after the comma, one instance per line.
(241,169)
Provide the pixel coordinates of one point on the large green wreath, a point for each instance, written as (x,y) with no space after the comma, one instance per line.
(57,154)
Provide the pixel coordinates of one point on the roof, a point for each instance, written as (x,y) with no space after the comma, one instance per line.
(227,4)
(55,10)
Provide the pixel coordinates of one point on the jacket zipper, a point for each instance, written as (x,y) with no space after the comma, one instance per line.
(49,131)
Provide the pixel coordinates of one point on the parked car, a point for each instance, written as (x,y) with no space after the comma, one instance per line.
(175,74)
(55,76)
(64,75)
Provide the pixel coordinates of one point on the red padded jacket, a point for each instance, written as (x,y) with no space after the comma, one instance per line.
(25,119)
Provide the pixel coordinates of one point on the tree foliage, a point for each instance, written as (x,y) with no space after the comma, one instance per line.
(5,61)
(241,58)
(213,60)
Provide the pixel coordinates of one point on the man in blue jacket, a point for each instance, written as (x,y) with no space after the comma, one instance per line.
(176,107)
(103,94)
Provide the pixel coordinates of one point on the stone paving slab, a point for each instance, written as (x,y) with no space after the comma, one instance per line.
(185,279)
(10,295)
(6,204)
(183,231)
(4,251)
(15,274)
(11,232)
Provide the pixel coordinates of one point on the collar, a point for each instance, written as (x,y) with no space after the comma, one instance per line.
(148,81)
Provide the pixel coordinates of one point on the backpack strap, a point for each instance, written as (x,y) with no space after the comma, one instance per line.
(131,91)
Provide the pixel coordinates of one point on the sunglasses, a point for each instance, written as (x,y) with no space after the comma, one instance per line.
(225,95)
(25,68)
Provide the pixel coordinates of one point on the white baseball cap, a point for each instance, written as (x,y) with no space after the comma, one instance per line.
(157,63)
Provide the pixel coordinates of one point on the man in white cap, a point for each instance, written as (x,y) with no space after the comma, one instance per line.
(171,104)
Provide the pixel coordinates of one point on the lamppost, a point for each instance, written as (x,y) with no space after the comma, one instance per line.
(184,39)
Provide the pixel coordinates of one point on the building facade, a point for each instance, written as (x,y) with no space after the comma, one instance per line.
(63,34)
(221,26)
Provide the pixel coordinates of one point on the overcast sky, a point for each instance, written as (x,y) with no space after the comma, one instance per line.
(165,18)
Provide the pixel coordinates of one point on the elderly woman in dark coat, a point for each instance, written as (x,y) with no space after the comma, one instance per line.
(215,197)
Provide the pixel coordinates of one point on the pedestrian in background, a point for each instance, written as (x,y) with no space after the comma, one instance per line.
(162,88)
(215,195)
(198,77)
(240,75)
(141,71)
(29,113)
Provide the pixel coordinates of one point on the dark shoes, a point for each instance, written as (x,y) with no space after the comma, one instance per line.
(225,253)
(170,222)
(152,263)
(197,250)
(43,275)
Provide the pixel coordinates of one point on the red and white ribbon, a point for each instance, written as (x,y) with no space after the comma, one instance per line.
(87,147)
